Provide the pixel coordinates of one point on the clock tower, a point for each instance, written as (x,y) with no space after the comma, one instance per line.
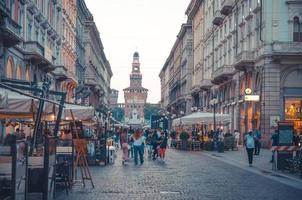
(135,96)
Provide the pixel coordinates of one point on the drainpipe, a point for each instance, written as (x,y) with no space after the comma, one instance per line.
(261,4)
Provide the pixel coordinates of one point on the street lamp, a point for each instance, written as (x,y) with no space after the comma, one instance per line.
(213,102)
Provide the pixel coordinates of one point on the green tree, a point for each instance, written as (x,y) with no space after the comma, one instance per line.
(118,114)
(149,110)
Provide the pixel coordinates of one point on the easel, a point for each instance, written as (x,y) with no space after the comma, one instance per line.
(81,160)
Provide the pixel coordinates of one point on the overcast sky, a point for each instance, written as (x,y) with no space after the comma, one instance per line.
(147,26)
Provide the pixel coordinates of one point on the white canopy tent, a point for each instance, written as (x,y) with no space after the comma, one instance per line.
(202,118)
(83,113)
(15,105)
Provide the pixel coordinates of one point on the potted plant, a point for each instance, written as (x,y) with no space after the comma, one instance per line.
(184,136)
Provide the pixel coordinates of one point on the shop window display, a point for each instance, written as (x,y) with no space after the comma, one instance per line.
(293,112)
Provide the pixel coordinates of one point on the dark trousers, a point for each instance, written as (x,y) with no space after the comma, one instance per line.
(138,151)
(257,147)
(250,154)
(155,151)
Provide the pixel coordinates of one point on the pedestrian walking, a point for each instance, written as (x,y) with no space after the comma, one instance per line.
(137,146)
(154,145)
(124,145)
(163,145)
(249,140)
(149,144)
(275,142)
(257,141)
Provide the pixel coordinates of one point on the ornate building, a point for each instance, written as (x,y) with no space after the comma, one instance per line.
(68,55)
(98,70)
(135,96)
(176,75)
(244,44)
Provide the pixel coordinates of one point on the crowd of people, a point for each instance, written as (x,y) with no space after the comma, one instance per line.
(134,142)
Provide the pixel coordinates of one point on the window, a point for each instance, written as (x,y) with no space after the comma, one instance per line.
(9,68)
(27,73)
(297,34)
(19,73)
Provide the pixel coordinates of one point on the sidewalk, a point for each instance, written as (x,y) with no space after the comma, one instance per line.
(261,163)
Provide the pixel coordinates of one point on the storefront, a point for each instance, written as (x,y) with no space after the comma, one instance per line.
(293,112)
(292,97)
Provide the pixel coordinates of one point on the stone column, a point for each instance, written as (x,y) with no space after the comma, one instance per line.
(270,98)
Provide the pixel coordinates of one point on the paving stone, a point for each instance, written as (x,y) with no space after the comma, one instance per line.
(185,175)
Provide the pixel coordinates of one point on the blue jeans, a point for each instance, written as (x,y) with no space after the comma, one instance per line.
(138,151)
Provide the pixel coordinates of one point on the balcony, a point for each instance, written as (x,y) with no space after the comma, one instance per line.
(60,73)
(287,50)
(91,81)
(245,60)
(205,84)
(72,76)
(222,74)
(35,52)
(3,9)
(10,32)
(218,19)
(257,8)
(226,7)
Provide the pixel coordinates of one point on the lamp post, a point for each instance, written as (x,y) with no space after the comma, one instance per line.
(213,102)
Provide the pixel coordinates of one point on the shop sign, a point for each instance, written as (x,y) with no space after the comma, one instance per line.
(248,91)
(251,98)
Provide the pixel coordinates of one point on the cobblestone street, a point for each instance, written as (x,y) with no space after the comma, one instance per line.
(186,175)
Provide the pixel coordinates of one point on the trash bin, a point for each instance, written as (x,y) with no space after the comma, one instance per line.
(111,154)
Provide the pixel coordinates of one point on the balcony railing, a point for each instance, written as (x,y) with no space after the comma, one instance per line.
(287,48)
(10,32)
(218,18)
(244,60)
(222,74)
(226,7)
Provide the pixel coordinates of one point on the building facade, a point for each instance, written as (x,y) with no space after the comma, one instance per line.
(176,75)
(47,39)
(68,55)
(98,70)
(135,96)
(30,45)
(113,98)
(252,44)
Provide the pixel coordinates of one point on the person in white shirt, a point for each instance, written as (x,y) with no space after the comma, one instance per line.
(137,146)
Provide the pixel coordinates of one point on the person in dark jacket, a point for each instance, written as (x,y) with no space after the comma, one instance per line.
(163,140)
(154,142)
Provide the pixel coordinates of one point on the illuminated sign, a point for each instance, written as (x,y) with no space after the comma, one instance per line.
(248,91)
(251,98)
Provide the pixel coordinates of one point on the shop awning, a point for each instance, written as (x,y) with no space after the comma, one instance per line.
(15,105)
(202,118)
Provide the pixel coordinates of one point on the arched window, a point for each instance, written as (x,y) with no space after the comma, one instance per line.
(19,73)
(27,73)
(297,34)
(10,68)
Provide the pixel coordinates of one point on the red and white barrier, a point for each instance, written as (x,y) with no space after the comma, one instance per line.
(285,148)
